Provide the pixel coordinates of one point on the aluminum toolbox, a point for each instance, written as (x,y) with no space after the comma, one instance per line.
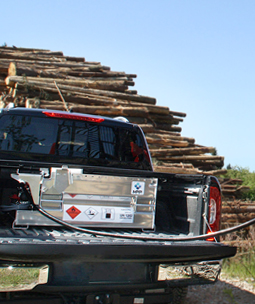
(88,200)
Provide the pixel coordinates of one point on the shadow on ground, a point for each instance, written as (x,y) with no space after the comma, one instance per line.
(221,293)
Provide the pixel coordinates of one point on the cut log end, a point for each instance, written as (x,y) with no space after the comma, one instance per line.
(12,70)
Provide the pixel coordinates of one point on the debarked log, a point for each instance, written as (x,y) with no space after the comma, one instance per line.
(166,119)
(165,141)
(206,158)
(182,151)
(68,81)
(22,49)
(241,218)
(238,203)
(39,56)
(149,127)
(119,95)
(170,137)
(118,85)
(179,165)
(180,114)
(112,111)
(55,64)
(177,170)
(238,209)
(23,70)
(168,127)
(216,172)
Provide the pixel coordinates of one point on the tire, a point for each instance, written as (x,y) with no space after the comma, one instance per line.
(178,295)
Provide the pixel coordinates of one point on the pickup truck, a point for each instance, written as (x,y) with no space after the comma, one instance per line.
(85,219)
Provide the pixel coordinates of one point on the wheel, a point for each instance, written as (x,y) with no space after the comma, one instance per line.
(178,295)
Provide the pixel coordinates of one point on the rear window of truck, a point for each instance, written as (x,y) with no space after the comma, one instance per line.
(72,140)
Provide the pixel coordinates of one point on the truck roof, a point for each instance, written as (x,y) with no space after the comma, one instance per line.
(67,115)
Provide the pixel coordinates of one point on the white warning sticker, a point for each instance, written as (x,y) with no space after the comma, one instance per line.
(100,214)
(137,188)
(91,213)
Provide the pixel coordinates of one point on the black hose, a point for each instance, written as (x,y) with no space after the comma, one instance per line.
(150,238)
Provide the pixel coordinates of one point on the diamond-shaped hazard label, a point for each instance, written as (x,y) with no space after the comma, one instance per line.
(73,212)
(91,212)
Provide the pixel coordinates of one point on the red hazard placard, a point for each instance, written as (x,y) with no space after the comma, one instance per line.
(73,212)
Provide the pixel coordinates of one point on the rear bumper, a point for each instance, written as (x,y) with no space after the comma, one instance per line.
(26,277)
(80,262)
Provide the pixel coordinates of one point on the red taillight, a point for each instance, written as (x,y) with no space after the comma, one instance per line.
(73,116)
(214,211)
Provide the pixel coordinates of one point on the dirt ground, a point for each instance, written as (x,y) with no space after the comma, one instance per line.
(225,291)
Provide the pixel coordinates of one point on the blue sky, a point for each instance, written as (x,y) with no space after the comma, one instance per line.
(194,56)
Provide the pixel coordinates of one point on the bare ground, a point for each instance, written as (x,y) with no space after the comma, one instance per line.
(225,291)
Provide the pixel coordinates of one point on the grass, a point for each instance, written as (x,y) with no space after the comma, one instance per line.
(242,265)
(20,277)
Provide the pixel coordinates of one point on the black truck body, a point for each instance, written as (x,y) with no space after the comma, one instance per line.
(81,208)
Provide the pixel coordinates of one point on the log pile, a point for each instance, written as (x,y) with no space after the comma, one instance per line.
(235,210)
(233,188)
(45,79)
(238,211)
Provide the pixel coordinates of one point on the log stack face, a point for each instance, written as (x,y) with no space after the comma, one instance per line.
(45,79)
(235,210)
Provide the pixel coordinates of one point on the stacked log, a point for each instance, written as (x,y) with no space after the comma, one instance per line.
(235,212)
(233,188)
(37,78)
(238,211)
